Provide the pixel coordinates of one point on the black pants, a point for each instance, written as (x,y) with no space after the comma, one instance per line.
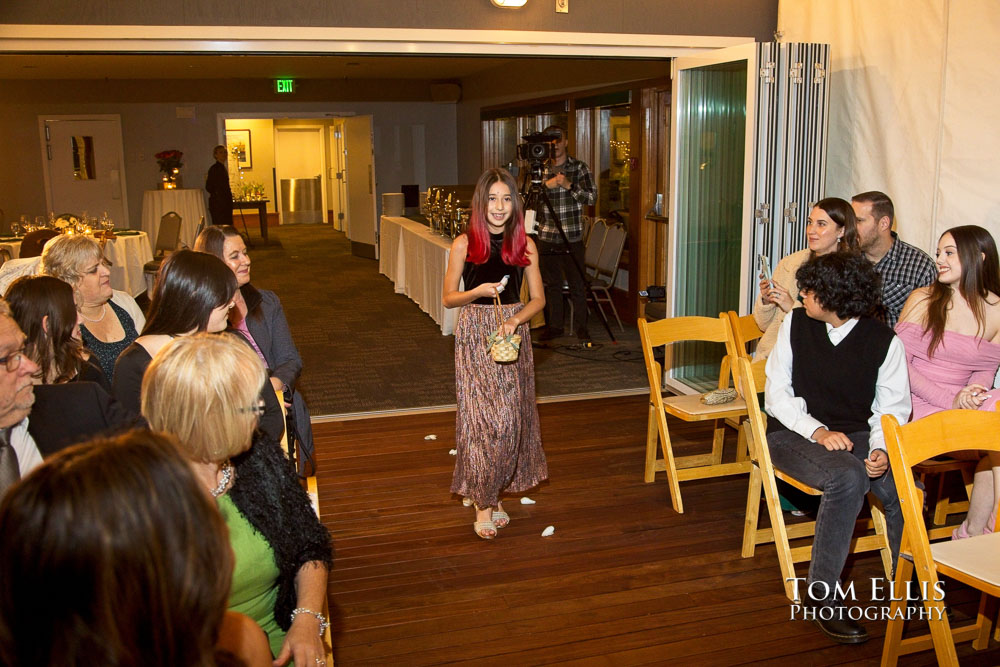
(554,269)
(221,212)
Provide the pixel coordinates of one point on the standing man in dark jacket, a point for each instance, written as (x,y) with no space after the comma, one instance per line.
(220,196)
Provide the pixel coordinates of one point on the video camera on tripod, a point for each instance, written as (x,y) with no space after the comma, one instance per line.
(536,149)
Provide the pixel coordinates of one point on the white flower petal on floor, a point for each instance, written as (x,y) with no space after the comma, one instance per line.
(548,531)
(527,501)
(453,452)
(430,437)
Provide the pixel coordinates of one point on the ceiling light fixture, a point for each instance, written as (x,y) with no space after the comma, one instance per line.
(508,4)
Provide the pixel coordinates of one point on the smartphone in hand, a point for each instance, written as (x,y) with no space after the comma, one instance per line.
(765,267)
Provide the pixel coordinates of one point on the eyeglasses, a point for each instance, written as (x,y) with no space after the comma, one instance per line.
(13,360)
(801,298)
(256,409)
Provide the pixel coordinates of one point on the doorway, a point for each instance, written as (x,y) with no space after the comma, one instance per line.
(83,169)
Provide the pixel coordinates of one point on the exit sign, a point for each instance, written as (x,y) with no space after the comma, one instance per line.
(284,85)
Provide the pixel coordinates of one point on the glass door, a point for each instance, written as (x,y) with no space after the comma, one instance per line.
(710,195)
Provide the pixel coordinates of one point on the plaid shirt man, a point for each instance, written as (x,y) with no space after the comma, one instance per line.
(903,269)
(568,204)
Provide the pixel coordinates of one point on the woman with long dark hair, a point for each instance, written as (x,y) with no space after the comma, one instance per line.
(72,396)
(951,331)
(499,446)
(831,227)
(194,292)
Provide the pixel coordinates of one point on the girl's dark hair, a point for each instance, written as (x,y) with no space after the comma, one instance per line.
(842,213)
(842,282)
(59,356)
(113,554)
(977,251)
(189,286)
(213,238)
(515,247)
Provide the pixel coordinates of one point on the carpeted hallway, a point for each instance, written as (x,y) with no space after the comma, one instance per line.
(365,348)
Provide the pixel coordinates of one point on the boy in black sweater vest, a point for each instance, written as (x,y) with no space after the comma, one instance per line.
(832,375)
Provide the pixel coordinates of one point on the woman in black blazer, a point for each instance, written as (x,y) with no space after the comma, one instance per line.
(72,399)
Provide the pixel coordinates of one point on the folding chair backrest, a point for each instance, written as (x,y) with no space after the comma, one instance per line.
(595,242)
(934,435)
(169,233)
(745,330)
(690,328)
(611,253)
(201,227)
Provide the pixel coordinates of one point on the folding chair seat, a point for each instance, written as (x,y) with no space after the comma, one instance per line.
(763,476)
(687,407)
(971,561)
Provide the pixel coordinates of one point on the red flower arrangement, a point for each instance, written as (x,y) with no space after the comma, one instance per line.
(169,160)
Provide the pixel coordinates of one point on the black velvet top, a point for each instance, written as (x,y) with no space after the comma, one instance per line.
(493,271)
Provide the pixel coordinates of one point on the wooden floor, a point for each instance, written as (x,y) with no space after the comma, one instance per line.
(624,580)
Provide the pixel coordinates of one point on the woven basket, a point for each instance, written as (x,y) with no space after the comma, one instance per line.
(504,350)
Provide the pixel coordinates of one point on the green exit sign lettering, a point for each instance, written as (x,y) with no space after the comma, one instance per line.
(284,85)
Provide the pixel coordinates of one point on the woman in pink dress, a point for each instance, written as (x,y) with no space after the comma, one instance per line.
(951,332)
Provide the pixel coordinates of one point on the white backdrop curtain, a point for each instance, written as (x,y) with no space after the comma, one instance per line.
(914,106)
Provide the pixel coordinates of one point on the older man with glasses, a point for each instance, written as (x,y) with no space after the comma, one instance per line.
(18,453)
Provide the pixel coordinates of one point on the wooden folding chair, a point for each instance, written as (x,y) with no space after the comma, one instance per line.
(972,561)
(687,408)
(763,476)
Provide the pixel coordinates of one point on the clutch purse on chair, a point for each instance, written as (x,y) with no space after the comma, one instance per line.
(719,396)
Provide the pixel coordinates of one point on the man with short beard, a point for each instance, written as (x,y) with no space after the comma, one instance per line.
(903,267)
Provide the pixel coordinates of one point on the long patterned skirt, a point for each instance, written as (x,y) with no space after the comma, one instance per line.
(496,426)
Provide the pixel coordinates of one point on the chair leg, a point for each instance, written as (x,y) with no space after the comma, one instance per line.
(894,629)
(668,462)
(878,518)
(785,561)
(718,439)
(742,445)
(987,611)
(651,438)
(753,513)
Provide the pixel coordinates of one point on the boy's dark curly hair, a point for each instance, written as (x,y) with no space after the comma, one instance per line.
(845,283)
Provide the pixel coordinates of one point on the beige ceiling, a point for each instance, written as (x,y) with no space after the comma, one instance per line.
(32,66)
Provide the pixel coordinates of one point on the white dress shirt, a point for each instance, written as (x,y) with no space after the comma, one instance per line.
(28,456)
(892,387)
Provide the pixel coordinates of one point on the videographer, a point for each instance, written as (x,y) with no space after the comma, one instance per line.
(570,187)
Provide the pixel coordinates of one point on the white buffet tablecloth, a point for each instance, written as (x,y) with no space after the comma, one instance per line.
(415,260)
(128,254)
(187,203)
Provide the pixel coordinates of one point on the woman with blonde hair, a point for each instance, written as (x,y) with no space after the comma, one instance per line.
(111,318)
(204,389)
(113,555)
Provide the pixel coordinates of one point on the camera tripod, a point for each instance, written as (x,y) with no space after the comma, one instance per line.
(533,200)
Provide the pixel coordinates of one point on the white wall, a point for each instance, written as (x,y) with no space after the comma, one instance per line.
(913,106)
(150,127)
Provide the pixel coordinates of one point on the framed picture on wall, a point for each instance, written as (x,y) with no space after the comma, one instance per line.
(238,143)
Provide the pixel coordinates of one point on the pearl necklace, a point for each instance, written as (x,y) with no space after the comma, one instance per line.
(104,311)
(227,476)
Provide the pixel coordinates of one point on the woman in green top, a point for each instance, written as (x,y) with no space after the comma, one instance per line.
(204,389)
